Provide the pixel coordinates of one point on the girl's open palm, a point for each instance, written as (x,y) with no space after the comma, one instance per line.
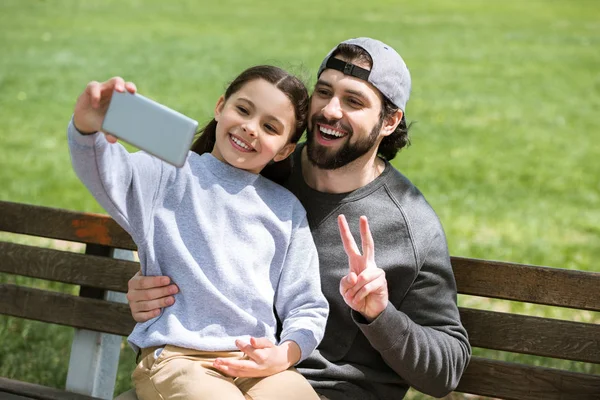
(364,289)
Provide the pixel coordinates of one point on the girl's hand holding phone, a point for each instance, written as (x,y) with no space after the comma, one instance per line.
(92,104)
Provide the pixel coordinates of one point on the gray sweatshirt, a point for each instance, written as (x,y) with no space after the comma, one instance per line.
(238,246)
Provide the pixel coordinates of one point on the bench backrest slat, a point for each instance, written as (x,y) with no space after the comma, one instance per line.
(524,382)
(63,224)
(531,284)
(67,267)
(525,334)
(65,309)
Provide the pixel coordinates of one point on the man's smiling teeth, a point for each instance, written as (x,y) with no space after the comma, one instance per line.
(240,143)
(331,132)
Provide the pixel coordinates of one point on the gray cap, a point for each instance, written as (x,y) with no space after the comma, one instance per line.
(388,74)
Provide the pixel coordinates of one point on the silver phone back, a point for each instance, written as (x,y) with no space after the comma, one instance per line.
(150,126)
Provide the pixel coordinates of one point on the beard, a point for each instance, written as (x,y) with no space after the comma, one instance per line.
(326,158)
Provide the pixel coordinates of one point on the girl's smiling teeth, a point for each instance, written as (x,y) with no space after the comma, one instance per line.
(240,143)
(329,133)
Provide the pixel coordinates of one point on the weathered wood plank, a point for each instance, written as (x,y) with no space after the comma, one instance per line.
(528,283)
(67,267)
(63,224)
(522,382)
(545,337)
(65,309)
(33,391)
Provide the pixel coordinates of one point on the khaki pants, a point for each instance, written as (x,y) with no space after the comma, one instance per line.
(178,373)
(130,395)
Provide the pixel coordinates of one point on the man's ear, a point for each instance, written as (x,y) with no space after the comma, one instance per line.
(219,107)
(285,152)
(391,123)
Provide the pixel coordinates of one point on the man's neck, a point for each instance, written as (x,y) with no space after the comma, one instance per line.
(352,176)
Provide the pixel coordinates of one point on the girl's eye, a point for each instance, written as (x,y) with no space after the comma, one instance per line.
(242,110)
(270,128)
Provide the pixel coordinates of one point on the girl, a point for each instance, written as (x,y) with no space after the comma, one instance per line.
(237,244)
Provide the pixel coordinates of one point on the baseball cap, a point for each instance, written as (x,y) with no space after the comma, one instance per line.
(388,74)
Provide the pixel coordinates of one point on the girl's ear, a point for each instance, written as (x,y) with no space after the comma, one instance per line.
(285,152)
(219,107)
(391,122)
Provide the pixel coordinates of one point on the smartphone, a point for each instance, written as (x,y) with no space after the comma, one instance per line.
(150,126)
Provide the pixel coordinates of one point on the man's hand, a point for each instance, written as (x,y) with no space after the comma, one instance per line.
(264,358)
(92,104)
(364,289)
(148,294)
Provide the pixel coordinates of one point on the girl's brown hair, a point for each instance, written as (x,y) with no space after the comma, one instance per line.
(291,86)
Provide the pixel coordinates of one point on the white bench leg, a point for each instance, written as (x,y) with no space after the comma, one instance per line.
(94,357)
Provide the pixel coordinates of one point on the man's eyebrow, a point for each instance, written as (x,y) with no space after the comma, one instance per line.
(268,116)
(358,93)
(321,82)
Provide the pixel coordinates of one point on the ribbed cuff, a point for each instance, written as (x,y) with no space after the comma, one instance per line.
(82,139)
(304,339)
(385,330)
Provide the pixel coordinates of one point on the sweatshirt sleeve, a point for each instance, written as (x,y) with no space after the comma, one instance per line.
(125,184)
(422,339)
(299,300)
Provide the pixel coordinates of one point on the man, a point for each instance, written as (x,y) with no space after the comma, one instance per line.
(393,319)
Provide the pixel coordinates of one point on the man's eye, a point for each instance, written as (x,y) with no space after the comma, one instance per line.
(242,110)
(354,103)
(322,92)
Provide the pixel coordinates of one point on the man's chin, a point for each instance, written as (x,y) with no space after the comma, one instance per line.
(321,157)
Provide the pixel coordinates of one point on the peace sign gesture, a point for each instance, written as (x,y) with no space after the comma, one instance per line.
(364,289)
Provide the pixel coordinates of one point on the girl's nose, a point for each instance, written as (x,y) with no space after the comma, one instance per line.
(249,128)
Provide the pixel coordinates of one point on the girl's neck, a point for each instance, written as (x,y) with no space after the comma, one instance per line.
(352,176)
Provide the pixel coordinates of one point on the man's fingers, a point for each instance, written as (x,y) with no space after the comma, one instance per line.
(136,295)
(145,316)
(347,239)
(347,282)
(370,284)
(362,280)
(150,305)
(140,282)
(368,245)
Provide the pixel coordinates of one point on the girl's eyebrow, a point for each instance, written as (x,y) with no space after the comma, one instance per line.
(268,116)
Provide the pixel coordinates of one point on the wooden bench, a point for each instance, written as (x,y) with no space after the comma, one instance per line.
(99,275)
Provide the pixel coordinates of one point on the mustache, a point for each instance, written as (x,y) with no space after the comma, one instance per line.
(336,124)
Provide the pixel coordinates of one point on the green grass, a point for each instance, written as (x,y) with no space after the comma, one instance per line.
(505,95)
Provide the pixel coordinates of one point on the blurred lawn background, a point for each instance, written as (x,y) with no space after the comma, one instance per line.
(506,95)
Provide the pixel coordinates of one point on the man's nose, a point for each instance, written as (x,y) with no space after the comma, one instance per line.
(332,109)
